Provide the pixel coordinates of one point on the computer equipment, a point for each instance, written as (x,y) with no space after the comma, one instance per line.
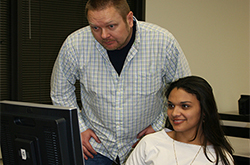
(39,134)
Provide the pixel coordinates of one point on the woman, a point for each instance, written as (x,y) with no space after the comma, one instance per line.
(197,137)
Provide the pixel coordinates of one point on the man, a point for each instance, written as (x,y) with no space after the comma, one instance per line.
(122,65)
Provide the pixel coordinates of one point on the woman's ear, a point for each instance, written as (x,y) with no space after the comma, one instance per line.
(203,118)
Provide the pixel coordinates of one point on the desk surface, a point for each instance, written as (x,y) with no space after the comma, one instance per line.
(234,117)
(237,122)
(241,146)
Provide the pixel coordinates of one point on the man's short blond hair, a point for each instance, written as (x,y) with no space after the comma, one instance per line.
(120,5)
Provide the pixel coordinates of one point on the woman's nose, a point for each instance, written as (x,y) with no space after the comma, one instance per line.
(176,111)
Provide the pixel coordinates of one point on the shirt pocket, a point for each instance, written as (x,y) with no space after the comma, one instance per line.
(148,83)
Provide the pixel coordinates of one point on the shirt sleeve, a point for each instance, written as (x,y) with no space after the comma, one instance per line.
(159,122)
(63,78)
(179,66)
(182,69)
(176,66)
(138,154)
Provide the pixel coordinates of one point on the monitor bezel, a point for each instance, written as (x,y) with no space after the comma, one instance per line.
(27,114)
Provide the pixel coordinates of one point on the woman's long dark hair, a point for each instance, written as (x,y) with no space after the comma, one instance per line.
(209,118)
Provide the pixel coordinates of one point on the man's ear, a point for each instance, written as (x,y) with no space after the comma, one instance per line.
(130,19)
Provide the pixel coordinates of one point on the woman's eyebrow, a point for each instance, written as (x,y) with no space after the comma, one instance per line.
(186,102)
(181,102)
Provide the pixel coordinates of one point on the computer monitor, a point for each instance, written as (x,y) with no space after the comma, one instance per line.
(39,134)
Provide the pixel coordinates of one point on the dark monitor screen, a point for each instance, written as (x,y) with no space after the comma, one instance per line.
(39,134)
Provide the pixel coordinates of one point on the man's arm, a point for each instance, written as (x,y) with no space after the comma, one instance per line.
(144,132)
(63,80)
(86,146)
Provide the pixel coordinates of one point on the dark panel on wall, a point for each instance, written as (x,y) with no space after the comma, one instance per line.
(43,26)
(32,33)
(4,50)
(138,8)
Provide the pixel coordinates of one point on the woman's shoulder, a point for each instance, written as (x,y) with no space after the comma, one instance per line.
(158,136)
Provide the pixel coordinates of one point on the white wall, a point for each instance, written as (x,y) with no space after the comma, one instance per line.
(214,36)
